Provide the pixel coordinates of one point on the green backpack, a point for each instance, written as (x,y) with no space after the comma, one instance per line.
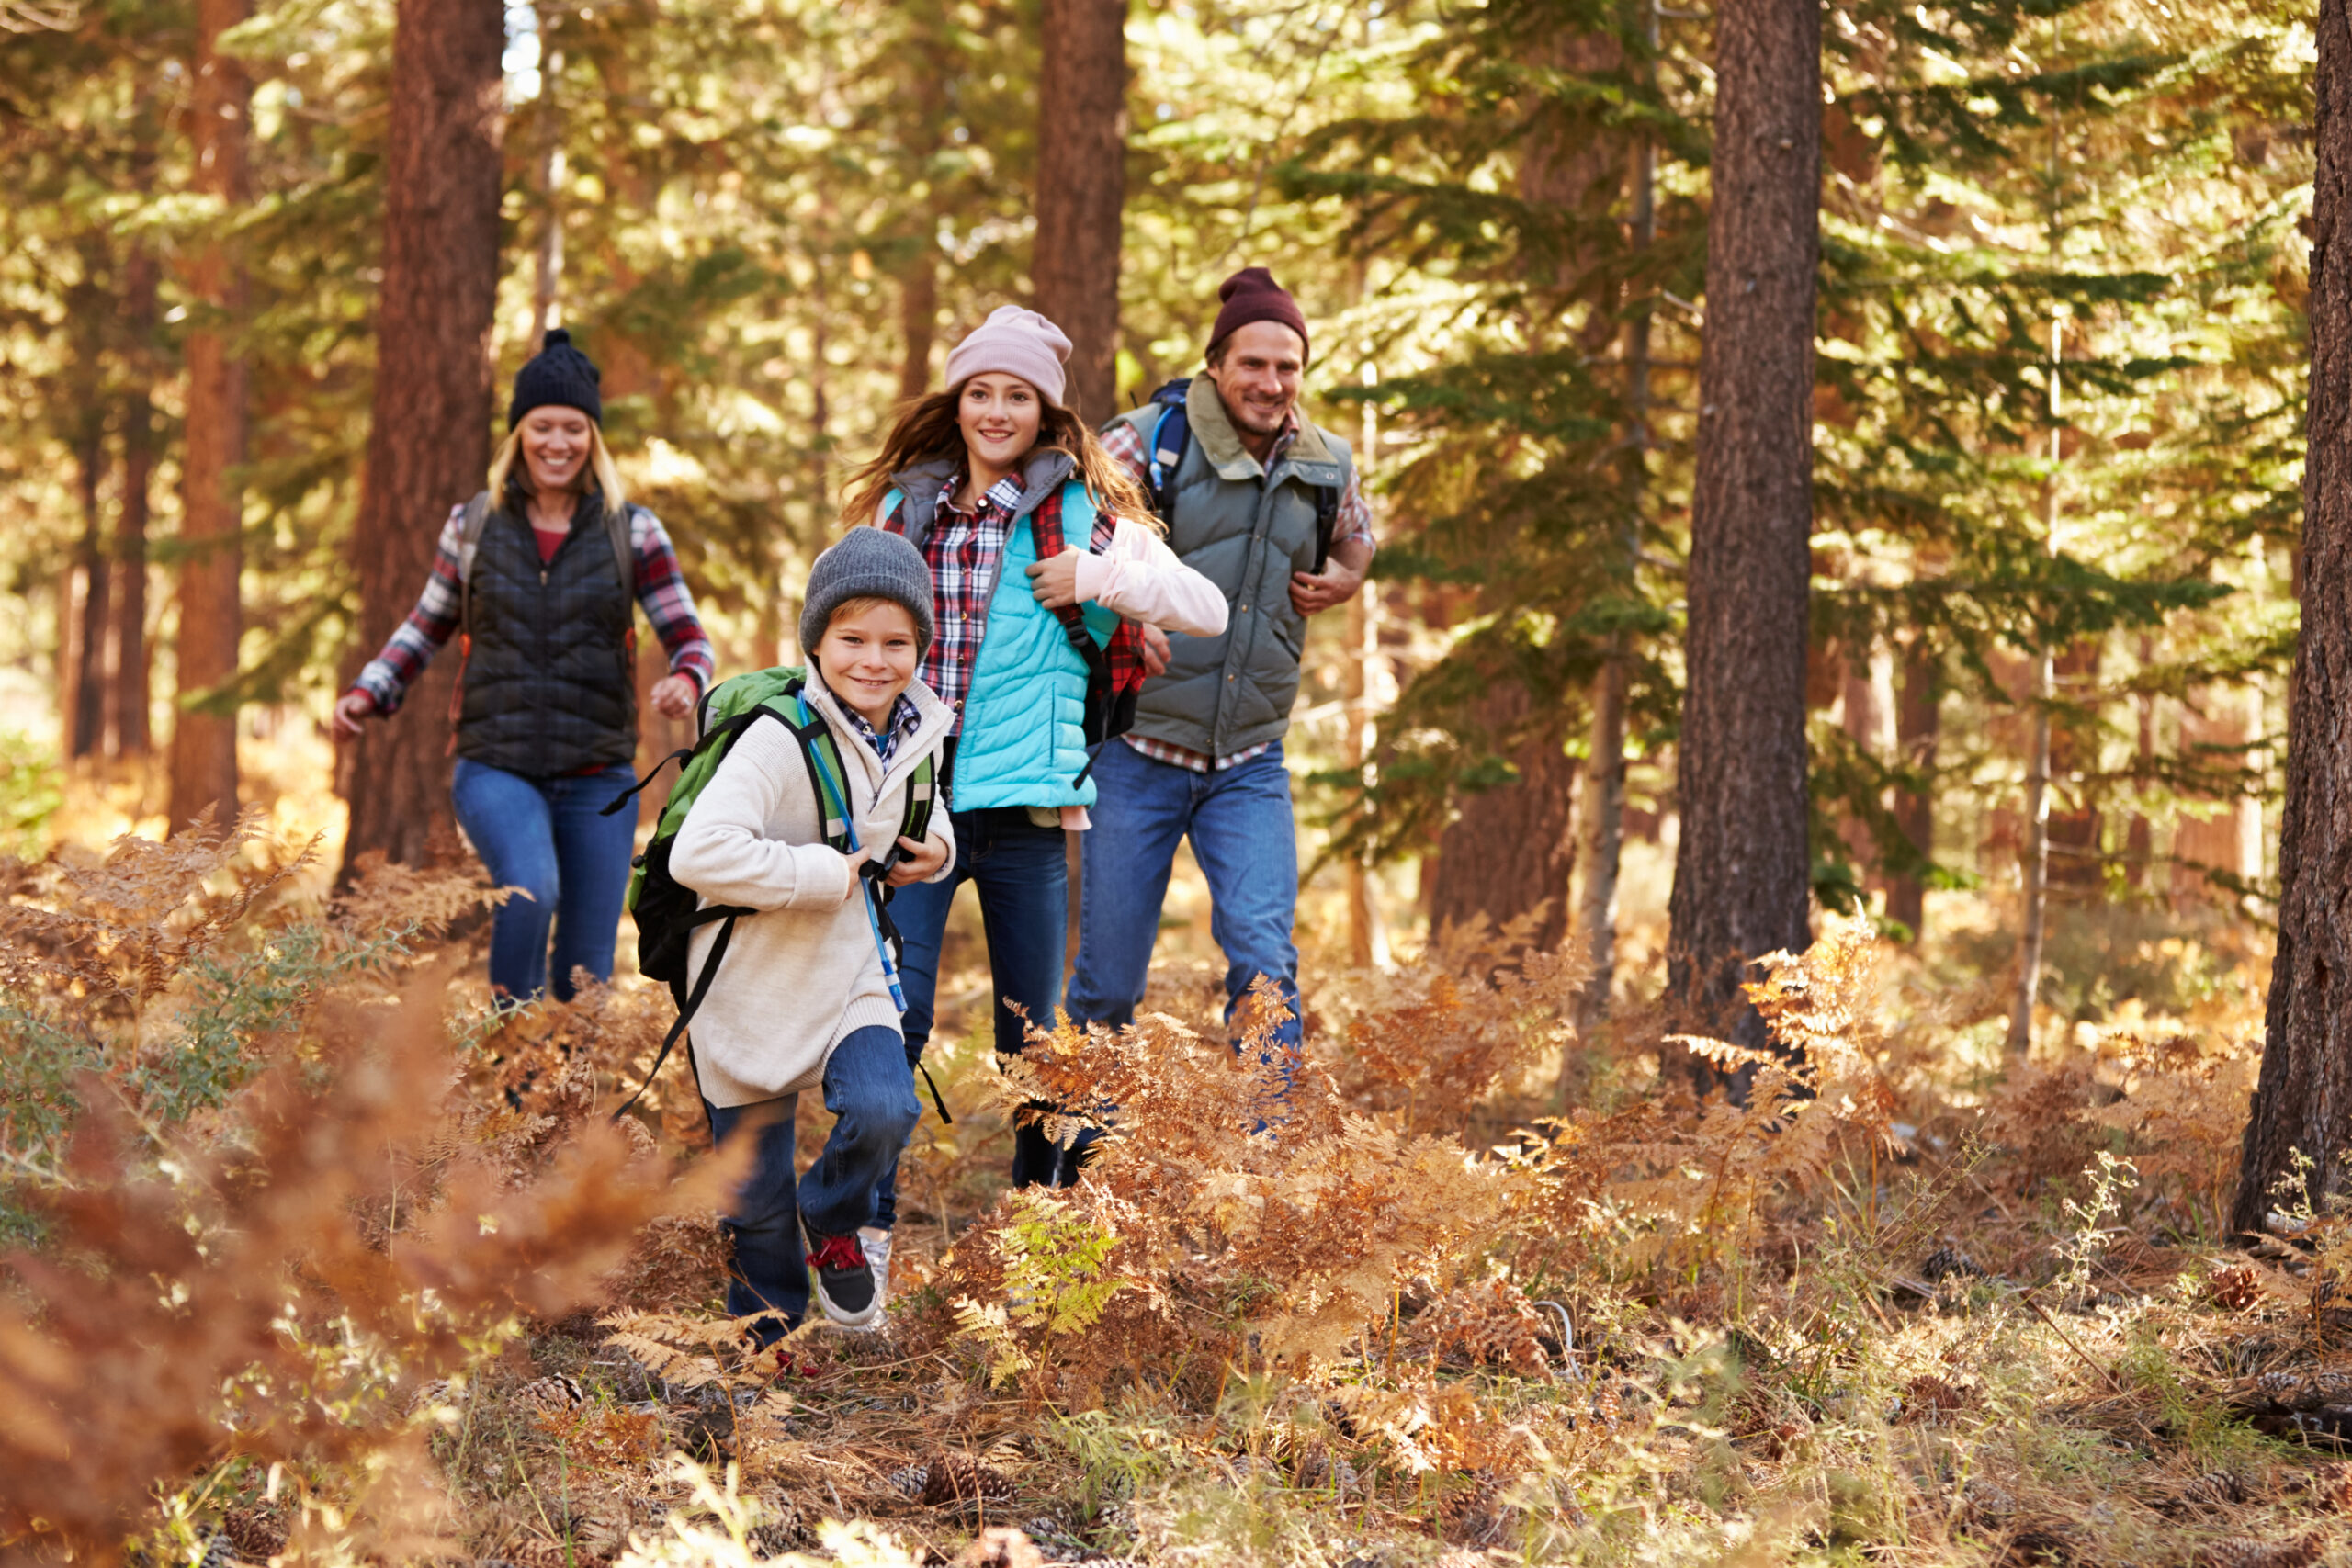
(668,913)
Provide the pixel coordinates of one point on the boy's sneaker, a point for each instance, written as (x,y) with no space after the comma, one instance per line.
(876,1241)
(845,1282)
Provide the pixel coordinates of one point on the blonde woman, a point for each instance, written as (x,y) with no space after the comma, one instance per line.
(537,577)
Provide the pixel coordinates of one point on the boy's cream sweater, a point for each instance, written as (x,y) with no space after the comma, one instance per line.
(803,974)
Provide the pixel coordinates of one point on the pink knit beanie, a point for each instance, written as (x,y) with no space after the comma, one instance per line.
(1016,342)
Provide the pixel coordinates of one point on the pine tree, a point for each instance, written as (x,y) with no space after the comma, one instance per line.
(429,441)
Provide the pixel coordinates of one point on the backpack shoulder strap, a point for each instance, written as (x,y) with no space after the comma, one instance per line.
(1169,438)
(922,790)
(827,781)
(469,534)
(619,523)
(1327,518)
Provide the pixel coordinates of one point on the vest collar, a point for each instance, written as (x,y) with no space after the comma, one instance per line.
(924,486)
(1308,453)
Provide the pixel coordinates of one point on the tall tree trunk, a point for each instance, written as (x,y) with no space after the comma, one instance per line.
(1918,731)
(1741,871)
(1082,187)
(2075,863)
(2304,1102)
(918,320)
(204,745)
(429,444)
(87,735)
(131,693)
(1512,848)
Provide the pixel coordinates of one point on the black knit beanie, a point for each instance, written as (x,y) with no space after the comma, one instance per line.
(561,376)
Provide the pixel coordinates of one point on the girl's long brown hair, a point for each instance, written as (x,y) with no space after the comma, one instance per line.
(926,429)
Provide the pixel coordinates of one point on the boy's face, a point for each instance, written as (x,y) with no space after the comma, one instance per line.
(867,658)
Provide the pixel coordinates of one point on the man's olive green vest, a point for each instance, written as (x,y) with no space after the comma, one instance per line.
(1245,531)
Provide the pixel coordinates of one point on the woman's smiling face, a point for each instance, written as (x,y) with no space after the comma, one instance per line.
(556,444)
(999,415)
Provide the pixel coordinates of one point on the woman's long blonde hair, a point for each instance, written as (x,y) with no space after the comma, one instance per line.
(926,429)
(506,467)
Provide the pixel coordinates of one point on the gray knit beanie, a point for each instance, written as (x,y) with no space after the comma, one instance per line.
(868,563)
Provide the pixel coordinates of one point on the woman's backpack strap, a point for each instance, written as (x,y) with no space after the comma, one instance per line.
(619,523)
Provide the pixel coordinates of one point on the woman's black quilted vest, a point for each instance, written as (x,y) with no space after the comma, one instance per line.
(549,682)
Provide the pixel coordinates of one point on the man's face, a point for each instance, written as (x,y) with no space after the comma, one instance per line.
(1258,375)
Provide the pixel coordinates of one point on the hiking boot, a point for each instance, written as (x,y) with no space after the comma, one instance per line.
(846,1288)
(876,1241)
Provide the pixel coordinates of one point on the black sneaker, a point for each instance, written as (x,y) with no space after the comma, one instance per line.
(845,1283)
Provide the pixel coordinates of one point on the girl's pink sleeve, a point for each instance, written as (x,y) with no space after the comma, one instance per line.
(1142,579)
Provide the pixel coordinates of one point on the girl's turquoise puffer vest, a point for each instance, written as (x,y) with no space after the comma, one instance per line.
(1024,737)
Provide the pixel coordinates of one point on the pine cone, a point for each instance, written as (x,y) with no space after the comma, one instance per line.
(257,1533)
(552,1394)
(2239,1551)
(959,1480)
(1947,1262)
(2234,1289)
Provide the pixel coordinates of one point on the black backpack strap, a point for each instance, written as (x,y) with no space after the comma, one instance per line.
(726,728)
(729,913)
(617,521)
(470,535)
(936,1098)
(1327,520)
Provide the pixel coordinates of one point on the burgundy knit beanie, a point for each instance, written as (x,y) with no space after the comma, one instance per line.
(1253,295)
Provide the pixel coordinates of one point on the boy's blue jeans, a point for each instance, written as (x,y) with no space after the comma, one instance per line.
(1023,878)
(1245,838)
(872,1096)
(550,838)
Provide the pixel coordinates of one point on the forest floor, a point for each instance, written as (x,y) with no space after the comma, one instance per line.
(1923,1306)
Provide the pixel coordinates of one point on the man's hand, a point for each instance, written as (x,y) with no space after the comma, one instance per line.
(674,696)
(855,858)
(920,862)
(1156,652)
(1055,579)
(1310,593)
(351,710)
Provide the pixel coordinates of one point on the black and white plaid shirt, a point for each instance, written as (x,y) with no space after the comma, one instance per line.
(905,719)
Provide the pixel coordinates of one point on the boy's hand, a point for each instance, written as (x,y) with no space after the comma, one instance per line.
(920,861)
(855,858)
(1055,579)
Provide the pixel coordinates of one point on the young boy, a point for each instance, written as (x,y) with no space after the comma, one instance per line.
(801,997)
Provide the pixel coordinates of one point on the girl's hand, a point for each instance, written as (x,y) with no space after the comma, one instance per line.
(920,862)
(351,710)
(673,695)
(1055,579)
(853,860)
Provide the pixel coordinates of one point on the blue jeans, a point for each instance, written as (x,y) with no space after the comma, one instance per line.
(1023,875)
(547,837)
(872,1096)
(1245,838)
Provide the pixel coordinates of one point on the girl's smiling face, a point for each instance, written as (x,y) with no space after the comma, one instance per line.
(999,414)
(868,656)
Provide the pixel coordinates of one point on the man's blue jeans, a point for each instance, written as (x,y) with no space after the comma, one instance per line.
(1023,876)
(1245,838)
(548,837)
(872,1096)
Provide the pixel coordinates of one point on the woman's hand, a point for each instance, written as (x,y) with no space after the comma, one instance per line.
(673,695)
(854,860)
(351,710)
(920,862)
(1055,579)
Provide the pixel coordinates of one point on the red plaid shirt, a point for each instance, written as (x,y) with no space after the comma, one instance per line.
(965,550)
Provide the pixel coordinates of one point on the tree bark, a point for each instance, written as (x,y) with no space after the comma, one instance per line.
(1512,848)
(2074,835)
(1082,188)
(204,745)
(87,735)
(428,446)
(1918,731)
(1741,872)
(131,690)
(2303,1101)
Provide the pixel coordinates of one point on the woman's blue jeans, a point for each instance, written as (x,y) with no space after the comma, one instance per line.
(872,1096)
(1023,878)
(548,837)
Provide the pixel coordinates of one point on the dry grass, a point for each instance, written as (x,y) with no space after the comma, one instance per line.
(317,1265)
